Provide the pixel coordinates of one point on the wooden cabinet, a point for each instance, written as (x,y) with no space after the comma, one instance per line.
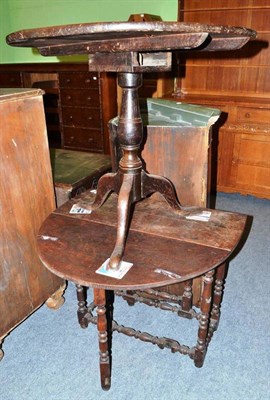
(239,84)
(78,103)
(26,198)
(243,148)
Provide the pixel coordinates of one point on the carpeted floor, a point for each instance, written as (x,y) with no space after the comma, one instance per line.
(49,357)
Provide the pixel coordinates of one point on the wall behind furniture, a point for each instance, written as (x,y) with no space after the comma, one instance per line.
(26,14)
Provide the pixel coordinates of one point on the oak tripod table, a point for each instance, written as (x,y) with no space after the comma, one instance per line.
(131,48)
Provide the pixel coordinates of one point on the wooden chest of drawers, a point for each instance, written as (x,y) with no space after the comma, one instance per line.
(78,103)
(80,95)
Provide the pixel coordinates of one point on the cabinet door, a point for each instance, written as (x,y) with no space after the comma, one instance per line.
(251,163)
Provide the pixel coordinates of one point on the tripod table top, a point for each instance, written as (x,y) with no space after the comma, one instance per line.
(88,38)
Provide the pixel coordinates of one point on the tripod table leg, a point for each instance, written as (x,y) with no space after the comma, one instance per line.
(124,203)
(154,183)
(107,183)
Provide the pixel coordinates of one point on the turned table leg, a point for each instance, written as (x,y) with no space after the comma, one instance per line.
(104,360)
(206,301)
(187,296)
(217,298)
(82,305)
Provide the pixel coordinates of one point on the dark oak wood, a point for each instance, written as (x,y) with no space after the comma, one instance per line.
(128,45)
(74,246)
(105,368)
(129,36)
(153,228)
(27,198)
(201,345)
(87,243)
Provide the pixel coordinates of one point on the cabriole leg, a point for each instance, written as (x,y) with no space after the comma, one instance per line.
(123,211)
(107,183)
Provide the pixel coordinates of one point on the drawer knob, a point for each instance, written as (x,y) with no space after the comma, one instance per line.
(89,98)
(68,97)
(70,117)
(87,80)
(67,80)
(90,140)
(247,115)
(90,118)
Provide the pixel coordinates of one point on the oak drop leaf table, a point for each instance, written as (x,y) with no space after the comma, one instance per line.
(164,249)
(164,246)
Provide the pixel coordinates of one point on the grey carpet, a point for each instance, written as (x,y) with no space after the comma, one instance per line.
(50,357)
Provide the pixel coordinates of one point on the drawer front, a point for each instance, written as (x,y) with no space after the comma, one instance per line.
(10,80)
(81,117)
(253,115)
(80,98)
(84,139)
(82,80)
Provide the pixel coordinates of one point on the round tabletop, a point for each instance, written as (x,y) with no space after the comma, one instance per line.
(163,247)
(88,38)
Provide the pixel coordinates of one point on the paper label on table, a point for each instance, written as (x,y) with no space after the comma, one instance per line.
(118,274)
(75,209)
(203,216)
(169,274)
